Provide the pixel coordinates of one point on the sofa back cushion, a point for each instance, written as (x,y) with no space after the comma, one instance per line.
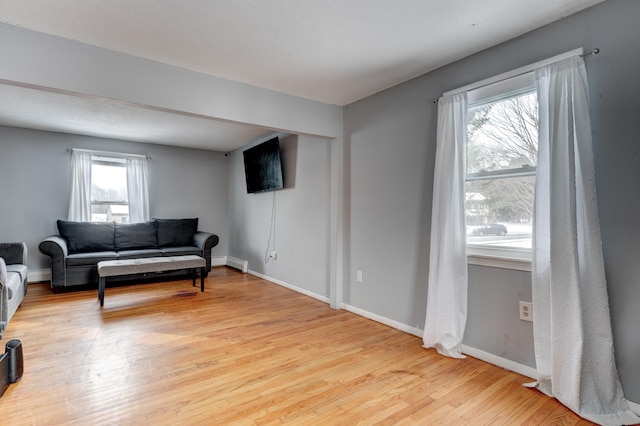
(84,237)
(133,236)
(176,232)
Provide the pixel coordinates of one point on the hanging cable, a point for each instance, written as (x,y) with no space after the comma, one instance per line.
(272,231)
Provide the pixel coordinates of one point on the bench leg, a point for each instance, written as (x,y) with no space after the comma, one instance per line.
(101,286)
(202,280)
(193,276)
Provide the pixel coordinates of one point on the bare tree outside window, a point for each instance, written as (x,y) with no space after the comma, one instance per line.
(501,159)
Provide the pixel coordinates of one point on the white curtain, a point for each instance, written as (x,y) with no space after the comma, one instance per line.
(137,189)
(447,286)
(571,322)
(80,199)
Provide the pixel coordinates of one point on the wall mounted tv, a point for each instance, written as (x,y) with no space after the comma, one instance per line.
(262,167)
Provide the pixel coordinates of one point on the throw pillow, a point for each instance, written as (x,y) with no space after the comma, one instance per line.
(176,232)
(133,236)
(85,237)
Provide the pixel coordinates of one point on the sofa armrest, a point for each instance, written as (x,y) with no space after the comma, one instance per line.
(14,253)
(205,240)
(56,248)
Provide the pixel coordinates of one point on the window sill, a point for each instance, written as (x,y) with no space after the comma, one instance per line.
(499,258)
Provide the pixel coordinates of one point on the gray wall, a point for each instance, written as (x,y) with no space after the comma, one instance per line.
(35,173)
(390,144)
(301,231)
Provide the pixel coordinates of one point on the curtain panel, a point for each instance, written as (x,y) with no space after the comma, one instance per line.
(137,189)
(446,315)
(80,197)
(571,321)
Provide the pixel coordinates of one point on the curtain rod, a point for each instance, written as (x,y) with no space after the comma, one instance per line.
(114,154)
(527,69)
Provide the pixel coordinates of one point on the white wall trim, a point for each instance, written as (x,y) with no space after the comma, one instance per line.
(497,262)
(218,261)
(290,286)
(476,353)
(39,275)
(501,362)
(234,262)
(383,320)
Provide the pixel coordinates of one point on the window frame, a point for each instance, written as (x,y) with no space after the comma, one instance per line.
(484,91)
(110,161)
(500,257)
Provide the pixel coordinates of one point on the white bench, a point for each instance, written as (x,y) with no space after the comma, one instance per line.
(112,268)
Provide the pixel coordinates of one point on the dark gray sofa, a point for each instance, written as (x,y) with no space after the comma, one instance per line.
(75,252)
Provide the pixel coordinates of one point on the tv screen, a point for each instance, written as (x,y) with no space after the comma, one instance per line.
(262,167)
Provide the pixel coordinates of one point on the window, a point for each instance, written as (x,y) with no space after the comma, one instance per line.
(107,187)
(109,198)
(502,145)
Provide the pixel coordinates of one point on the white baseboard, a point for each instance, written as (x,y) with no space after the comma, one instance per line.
(218,261)
(476,353)
(496,360)
(236,263)
(386,321)
(39,275)
(290,286)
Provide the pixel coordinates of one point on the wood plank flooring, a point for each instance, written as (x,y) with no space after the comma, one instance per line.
(244,352)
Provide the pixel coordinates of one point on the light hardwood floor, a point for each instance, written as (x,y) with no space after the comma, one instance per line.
(244,352)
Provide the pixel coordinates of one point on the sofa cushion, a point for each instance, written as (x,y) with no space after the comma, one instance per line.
(10,280)
(137,254)
(89,259)
(3,271)
(181,251)
(176,232)
(133,236)
(21,270)
(14,284)
(85,237)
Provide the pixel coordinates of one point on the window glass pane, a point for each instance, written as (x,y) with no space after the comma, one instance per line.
(502,152)
(499,212)
(108,183)
(503,135)
(109,201)
(110,213)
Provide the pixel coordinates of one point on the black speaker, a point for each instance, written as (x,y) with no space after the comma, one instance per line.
(13,350)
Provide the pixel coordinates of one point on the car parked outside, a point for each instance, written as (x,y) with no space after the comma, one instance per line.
(491,229)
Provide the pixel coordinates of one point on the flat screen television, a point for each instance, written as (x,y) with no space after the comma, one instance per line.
(262,167)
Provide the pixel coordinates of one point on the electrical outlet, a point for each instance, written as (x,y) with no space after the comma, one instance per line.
(274,255)
(526,311)
(359,276)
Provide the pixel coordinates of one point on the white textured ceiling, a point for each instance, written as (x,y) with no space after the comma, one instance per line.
(61,112)
(332,51)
